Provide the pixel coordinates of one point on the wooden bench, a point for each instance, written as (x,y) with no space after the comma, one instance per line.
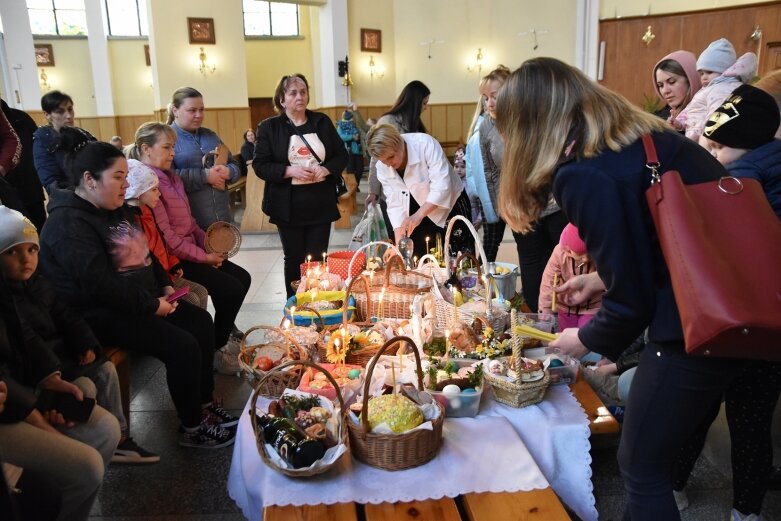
(347,203)
(121,359)
(532,505)
(237,193)
(600,419)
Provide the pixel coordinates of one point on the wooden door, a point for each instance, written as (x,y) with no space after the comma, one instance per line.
(771,58)
(260,109)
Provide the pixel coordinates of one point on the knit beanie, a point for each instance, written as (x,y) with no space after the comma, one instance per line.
(347,115)
(571,239)
(15,229)
(747,119)
(141,179)
(718,57)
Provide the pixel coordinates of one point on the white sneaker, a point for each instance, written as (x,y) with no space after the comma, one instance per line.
(681,500)
(736,515)
(226,362)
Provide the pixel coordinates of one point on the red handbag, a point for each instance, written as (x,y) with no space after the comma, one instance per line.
(722,245)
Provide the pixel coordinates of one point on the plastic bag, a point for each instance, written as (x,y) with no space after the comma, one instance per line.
(370,228)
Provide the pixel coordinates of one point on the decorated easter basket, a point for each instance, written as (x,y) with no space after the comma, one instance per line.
(517,393)
(394,451)
(392,293)
(342,437)
(346,263)
(428,265)
(305,315)
(273,381)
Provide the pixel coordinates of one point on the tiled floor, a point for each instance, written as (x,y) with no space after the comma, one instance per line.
(191,484)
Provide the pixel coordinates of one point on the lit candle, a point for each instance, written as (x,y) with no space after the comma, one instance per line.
(415,260)
(447,344)
(487,295)
(382,297)
(293,313)
(324,258)
(308,259)
(371,278)
(427,249)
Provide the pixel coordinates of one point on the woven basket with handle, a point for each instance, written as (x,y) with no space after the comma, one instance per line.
(253,414)
(273,381)
(394,451)
(392,294)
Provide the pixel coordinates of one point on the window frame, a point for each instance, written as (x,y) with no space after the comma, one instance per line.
(139,36)
(57,34)
(272,36)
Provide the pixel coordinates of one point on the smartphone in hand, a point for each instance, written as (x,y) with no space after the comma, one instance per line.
(179,293)
(65,404)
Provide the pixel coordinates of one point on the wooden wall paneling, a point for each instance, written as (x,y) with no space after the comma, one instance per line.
(108,127)
(428,119)
(454,129)
(438,121)
(771,57)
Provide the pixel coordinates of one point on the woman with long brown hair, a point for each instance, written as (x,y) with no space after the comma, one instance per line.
(567,135)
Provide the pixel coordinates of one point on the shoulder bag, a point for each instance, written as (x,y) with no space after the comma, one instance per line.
(341,186)
(722,243)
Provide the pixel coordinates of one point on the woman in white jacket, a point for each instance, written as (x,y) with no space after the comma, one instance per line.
(421,189)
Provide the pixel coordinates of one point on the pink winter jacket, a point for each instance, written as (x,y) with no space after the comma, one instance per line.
(182,235)
(564,263)
(709,98)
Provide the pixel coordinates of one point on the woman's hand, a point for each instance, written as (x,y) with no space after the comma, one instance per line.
(609,368)
(320,172)
(579,289)
(214,259)
(87,358)
(164,307)
(46,423)
(167,290)
(409,224)
(301,173)
(57,384)
(569,343)
(218,175)
(370,199)
(178,273)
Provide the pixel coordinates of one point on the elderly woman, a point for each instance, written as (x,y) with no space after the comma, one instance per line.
(422,190)
(299,155)
(565,133)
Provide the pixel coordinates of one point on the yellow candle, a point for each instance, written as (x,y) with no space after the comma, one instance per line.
(382,297)
(293,313)
(393,377)
(427,250)
(447,344)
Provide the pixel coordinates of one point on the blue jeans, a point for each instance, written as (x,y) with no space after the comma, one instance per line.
(671,395)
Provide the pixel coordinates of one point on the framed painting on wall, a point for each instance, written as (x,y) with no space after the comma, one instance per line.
(44,55)
(371,40)
(201,30)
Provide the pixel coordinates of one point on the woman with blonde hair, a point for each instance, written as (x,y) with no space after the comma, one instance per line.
(422,190)
(566,134)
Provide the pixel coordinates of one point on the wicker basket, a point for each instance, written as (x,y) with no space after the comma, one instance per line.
(518,394)
(394,451)
(360,257)
(428,265)
(273,382)
(392,293)
(342,431)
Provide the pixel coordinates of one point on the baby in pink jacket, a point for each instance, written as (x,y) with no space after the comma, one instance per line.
(720,74)
(569,258)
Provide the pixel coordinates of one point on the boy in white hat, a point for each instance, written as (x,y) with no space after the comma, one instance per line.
(720,73)
(49,322)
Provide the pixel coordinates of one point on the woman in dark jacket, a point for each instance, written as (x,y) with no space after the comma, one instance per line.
(99,262)
(300,192)
(564,132)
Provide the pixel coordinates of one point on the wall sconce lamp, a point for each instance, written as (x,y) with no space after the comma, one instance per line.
(478,63)
(204,66)
(648,37)
(375,71)
(44,81)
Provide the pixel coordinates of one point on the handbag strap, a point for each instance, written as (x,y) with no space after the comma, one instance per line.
(651,159)
(299,134)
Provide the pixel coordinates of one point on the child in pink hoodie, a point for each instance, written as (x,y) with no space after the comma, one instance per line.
(720,74)
(569,258)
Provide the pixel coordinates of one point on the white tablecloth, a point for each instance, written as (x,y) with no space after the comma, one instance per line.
(556,433)
(477,455)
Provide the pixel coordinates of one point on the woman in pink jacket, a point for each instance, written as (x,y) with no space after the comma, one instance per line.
(226,282)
